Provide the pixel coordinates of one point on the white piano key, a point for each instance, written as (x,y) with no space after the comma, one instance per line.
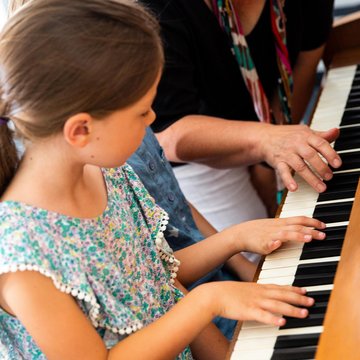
(290,213)
(319,287)
(346,171)
(275,330)
(275,273)
(296,205)
(347,151)
(260,332)
(254,324)
(290,245)
(319,260)
(251,344)
(335,224)
(288,262)
(284,280)
(248,344)
(278,263)
(304,330)
(252,355)
(334,201)
(293,253)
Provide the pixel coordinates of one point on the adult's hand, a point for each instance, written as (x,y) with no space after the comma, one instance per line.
(307,152)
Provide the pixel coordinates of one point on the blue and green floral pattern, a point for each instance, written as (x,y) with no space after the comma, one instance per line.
(117,266)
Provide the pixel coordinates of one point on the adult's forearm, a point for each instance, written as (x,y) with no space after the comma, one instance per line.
(213,141)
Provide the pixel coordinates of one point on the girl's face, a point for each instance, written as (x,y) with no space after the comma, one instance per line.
(117,136)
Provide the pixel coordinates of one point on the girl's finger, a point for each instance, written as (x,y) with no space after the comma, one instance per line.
(267,317)
(291,295)
(290,235)
(284,308)
(305,221)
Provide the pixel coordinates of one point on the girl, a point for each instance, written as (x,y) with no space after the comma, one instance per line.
(84,263)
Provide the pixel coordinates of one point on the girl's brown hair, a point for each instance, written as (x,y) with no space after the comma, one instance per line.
(62,57)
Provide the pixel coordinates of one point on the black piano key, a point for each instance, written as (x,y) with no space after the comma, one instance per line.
(315,274)
(341,186)
(350,161)
(356,82)
(298,353)
(319,295)
(354,94)
(323,244)
(352,102)
(341,180)
(315,318)
(289,341)
(311,320)
(344,193)
(350,118)
(334,233)
(349,138)
(317,268)
(319,307)
(314,279)
(335,212)
(321,252)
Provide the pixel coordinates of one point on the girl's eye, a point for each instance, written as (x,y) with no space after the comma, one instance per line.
(146,113)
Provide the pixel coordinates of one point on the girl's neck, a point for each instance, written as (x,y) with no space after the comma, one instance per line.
(48,179)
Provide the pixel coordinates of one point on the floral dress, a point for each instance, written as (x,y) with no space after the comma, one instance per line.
(117,266)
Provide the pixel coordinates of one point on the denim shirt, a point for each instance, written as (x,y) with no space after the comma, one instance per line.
(155,172)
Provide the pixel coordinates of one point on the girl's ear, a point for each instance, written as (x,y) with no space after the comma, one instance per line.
(77,130)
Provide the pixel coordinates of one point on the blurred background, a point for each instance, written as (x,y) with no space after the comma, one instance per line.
(342,7)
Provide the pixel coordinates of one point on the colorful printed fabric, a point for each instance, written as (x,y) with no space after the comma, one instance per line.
(117,266)
(230,23)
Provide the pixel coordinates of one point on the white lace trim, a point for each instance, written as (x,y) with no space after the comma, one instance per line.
(161,246)
(94,311)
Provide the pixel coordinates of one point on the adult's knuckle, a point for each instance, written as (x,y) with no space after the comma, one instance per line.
(300,166)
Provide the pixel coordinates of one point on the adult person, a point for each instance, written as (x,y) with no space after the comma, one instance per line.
(203,103)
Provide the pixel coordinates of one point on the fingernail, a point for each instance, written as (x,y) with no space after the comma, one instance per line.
(328,176)
(304,312)
(307,237)
(281,322)
(303,290)
(323,225)
(322,235)
(321,187)
(292,187)
(311,301)
(336,162)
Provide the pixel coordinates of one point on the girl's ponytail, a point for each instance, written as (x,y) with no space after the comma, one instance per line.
(8,154)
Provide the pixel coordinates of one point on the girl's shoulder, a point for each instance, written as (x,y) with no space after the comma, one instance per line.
(124,179)
(32,239)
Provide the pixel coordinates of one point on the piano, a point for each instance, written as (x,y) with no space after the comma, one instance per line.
(328,269)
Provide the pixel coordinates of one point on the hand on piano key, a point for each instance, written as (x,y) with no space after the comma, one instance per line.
(295,147)
(263,303)
(266,235)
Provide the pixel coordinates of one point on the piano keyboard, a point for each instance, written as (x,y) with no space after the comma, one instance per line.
(312,265)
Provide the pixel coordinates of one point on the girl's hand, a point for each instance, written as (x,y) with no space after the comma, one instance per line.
(263,303)
(266,235)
